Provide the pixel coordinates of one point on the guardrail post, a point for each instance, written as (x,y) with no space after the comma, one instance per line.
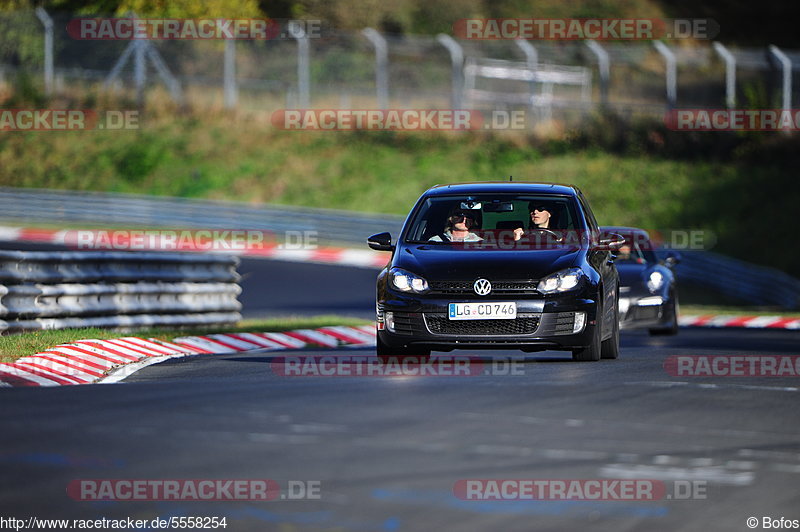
(671,74)
(730,74)
(381,65)
(604,65)
(457,59)
(47,22)
(303,65)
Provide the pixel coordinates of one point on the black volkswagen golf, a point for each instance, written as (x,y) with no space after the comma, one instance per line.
(496,265)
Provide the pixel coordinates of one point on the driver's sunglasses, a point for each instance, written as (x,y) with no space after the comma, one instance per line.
(459,217)
(541,208)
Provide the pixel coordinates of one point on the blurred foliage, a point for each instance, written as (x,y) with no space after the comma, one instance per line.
(741,21)
(149,8)
(26,92)
(23,40)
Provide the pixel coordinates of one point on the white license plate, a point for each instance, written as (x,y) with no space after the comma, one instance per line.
(482,311)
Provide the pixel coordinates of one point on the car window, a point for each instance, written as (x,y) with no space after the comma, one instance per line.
(631,252)
(490,215)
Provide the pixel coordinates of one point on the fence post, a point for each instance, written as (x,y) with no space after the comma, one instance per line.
(457,59)
(531,59)
(47,22)
(672,72)
(786,66)
(169,80)
(303,65)
(604,65)
(381,65)
(229,74)
(730,74)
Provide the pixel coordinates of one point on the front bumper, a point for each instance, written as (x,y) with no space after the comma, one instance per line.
(543,323)
(645,311)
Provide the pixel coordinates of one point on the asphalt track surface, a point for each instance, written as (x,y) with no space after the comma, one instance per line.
(388,451)
(275,288)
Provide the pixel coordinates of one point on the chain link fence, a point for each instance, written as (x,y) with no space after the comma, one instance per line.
(367,70)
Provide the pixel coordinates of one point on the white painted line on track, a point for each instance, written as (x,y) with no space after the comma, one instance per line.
(716,475)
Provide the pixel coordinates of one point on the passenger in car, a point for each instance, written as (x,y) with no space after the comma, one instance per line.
(457,228)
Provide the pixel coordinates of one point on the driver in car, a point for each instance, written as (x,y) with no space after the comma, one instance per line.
(457,229)
(541,213)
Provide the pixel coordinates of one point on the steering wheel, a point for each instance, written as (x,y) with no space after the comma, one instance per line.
(558,237)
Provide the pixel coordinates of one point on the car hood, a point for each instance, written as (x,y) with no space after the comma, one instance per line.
(435,262)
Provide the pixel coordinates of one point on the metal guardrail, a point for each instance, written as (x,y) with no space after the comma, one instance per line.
(57,290)
(330,226)
(739,279)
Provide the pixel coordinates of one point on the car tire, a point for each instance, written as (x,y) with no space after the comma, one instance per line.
(590,353)
(672,330)
(610,348)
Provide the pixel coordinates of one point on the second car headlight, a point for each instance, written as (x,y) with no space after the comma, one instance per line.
(406,281)
(655,281)
(561,281)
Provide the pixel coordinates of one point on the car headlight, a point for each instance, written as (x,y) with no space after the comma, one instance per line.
(406,281)
(560,281)
(655,281)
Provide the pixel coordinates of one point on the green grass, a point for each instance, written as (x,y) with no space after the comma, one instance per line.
(19,345)
(354,171)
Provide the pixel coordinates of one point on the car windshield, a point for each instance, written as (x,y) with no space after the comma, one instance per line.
(637,250)
(492,221)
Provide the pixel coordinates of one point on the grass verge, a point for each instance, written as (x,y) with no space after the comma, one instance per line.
(697,310)
(15,346)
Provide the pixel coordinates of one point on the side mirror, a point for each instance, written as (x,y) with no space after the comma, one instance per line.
(611,241)
(381,242)
(673,258)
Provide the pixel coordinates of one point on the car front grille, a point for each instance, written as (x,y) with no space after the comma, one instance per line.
(404,322)
(644,313)
(524,286)
(522,324)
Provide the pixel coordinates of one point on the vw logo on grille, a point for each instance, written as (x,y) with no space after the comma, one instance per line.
(482,287)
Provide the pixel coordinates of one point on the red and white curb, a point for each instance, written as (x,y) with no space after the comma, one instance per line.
(746,322)
(363,258)
(105,361)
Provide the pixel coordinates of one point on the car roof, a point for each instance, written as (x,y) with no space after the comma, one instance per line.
(514,187)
